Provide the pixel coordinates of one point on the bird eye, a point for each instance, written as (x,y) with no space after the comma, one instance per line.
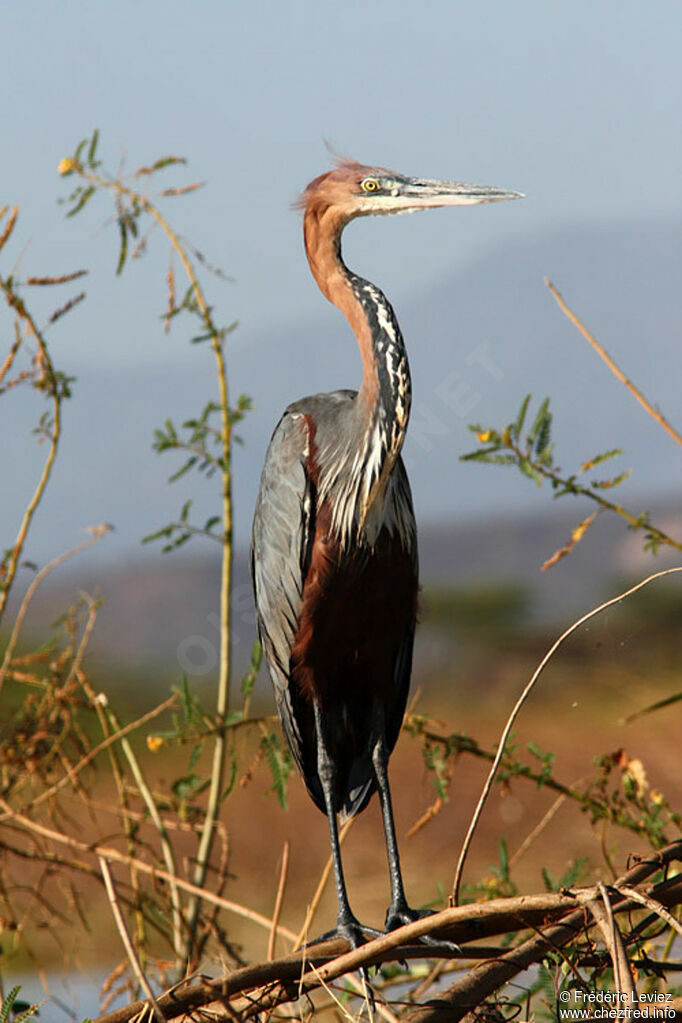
(370,185)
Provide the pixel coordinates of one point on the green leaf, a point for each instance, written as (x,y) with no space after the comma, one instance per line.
(79,149)
(189,785)
(608,484)
(249,679)
(123,231)
(521,418)
(658,705)
(163,161)
(85,195)
(7,1004)
(573,873)
(230,781)
(544,434)
(189,464)
(165,533)
(11,1004)
(483,454)
(280,767)
(93,149)
(232,718)
(504,859)
(190,706)
(167,161)
(527,469)
(548,881)
(591,462)
(500,459)
(546,759)
(538,422)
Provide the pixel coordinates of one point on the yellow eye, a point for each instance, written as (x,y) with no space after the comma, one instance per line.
(370,185)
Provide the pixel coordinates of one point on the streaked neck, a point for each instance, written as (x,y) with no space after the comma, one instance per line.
(383,404)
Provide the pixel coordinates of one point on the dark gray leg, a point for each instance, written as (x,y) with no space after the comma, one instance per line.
(399,912)
(347,924)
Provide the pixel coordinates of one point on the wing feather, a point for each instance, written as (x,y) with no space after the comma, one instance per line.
(283,528)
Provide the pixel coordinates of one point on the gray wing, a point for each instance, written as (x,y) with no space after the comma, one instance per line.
(283,531)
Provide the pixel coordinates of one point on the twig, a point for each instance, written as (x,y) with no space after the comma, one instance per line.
(202,858)
(11,355)
(77,660)
(99,748)
(660,419)
(454,897)
(278,900)
(571,486)
(114,856)
(537,830)
(652,904)
(478,984)
(270,984)
(127,943)
(602,911)
(166,845)
(464,745)
(98,532)
(51,387)
(342,1010)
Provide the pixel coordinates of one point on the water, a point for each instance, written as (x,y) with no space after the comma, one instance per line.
(73,997)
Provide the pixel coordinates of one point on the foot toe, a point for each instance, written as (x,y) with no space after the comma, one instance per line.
(406,915)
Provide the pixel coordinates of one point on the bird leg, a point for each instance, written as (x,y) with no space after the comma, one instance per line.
(347,924)
(398,912)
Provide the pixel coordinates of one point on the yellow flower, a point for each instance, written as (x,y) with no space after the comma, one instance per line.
(66,166)
(484,437)
(154,742)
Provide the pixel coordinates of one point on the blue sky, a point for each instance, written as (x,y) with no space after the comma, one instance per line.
(577,105)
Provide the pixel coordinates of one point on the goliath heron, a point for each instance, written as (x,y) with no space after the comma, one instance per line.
(334,550)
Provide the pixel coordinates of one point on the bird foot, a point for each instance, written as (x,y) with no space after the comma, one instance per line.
(402,915)
(357,935)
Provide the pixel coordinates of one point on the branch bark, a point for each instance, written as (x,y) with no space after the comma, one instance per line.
(557,918)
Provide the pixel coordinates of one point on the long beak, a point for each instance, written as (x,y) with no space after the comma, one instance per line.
(420,193)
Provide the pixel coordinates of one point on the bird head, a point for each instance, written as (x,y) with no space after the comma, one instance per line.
(354,190)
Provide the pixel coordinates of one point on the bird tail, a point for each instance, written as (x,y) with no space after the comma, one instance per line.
(360,790)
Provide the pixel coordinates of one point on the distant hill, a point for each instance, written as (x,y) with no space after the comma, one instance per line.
(160,613)
(478,342)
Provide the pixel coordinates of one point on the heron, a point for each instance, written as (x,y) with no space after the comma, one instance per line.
(334,544)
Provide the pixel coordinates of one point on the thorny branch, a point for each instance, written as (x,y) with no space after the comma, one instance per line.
(557,918)
(138,201)
(61,749)
(44,378)
(615,369)
(517,708)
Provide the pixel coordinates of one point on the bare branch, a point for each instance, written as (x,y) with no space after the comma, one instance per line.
(517,707)
(125,938)
(278,900)
(617,372)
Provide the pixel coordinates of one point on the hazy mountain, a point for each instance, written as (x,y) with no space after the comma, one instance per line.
(161,613)
(478,343)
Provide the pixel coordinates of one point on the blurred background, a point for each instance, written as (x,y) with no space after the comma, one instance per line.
(577,106)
